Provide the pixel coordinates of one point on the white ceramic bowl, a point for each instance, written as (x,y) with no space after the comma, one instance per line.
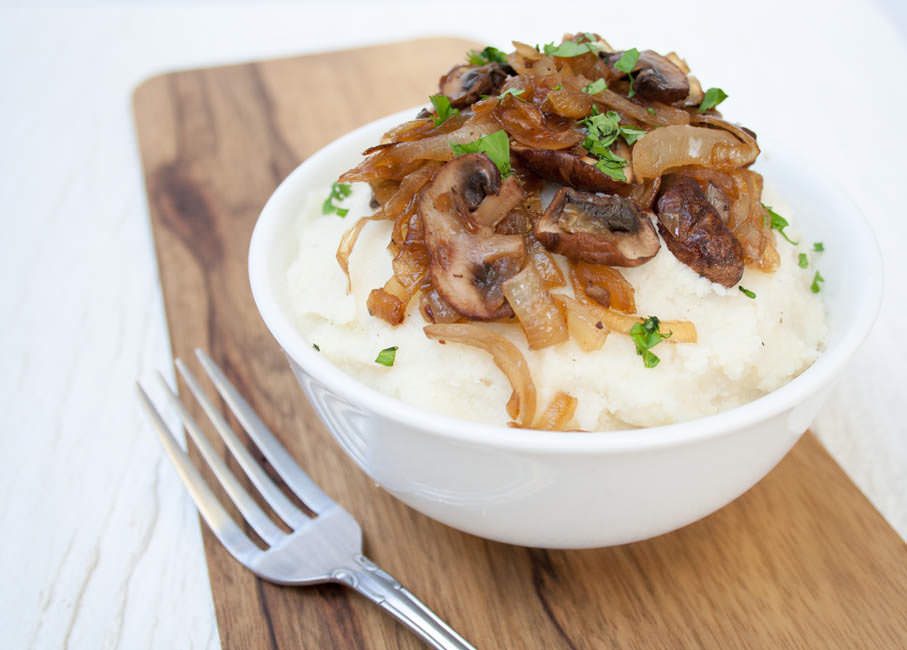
(570,490)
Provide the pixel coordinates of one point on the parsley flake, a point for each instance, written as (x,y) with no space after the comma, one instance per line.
(647,335)
(817,278)
(387,356)
(496,146)
(443,109)
(746,292)
(802,261)
(819,247)
(713,97)
(626,63)
(777,222)
(569,49)
(596,86)
(488,55)
(315,347)
(515,92)
(650,110)
(602,132)
(339,191)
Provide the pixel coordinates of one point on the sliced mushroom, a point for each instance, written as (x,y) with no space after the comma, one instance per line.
(656,77)
(597,228)
(694,232)
(569,169)
(465,84)
(468,261)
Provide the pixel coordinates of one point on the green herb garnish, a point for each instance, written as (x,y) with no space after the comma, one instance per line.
(387,355)
(602,131)
(496,146)
(746,292)
(713,97)
(443,109)
(626,63)
(516,92)
(802,261)
(646,335)
(315,347)
(569,49)
(650,110)
(339,191)
(819,247)
(596,86)
(817,278)
(558,87)
(488,55)
(777,222)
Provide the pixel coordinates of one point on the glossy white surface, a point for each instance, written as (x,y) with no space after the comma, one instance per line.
(102,547)
(535,488)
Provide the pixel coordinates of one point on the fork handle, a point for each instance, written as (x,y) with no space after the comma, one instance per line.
(381,588)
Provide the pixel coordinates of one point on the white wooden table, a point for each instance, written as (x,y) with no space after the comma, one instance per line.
(101,544)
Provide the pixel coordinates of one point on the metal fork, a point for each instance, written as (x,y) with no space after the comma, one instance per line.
(324,548)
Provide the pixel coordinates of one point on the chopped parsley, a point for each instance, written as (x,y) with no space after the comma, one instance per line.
(387,356)
(516,92)
(819,247)
(488,55)
(777,222)
(713,97)
(443,109)
(650,110)
(602,131)
(315,347)
(558,87)
(802,261)
(569,49)
(339,191)
(596,86)
(746,292)
(647,335)
(496,146)
(817,278)
(626,63)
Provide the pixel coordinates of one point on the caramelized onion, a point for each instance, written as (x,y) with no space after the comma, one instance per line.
(548,269)
(603,284)
(345,249)
(585,322)
(506,356)
(541,320)
(670,147)
(386,306)
(682,331)
(558,414)
(528,125)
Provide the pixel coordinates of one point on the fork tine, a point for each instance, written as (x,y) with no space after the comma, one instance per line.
(220,523)
(266,529)
(304,487)
(284,508)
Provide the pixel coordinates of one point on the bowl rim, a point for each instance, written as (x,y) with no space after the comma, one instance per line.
(809,382)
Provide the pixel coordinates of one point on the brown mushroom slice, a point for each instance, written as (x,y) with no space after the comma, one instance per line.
(597,228)
(656,77)
(465,84)
(466,266)
(569,169)
(694,232)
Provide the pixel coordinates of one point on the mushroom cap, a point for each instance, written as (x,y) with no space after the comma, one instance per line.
(569,169)
(656,77)
(465,84)
(468,262)
(597,228)
(694,232)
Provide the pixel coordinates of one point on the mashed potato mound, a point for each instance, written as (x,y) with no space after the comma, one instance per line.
(746,348)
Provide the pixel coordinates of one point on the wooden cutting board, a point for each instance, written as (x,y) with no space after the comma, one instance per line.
(801,560)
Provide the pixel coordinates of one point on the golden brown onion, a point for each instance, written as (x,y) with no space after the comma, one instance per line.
(506,356)
(558,414)
(585,322)
(664,149)
(541,320)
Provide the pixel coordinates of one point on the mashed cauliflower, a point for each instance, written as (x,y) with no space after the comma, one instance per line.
(746,348)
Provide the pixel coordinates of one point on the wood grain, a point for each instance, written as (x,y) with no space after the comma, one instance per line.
(800,561)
